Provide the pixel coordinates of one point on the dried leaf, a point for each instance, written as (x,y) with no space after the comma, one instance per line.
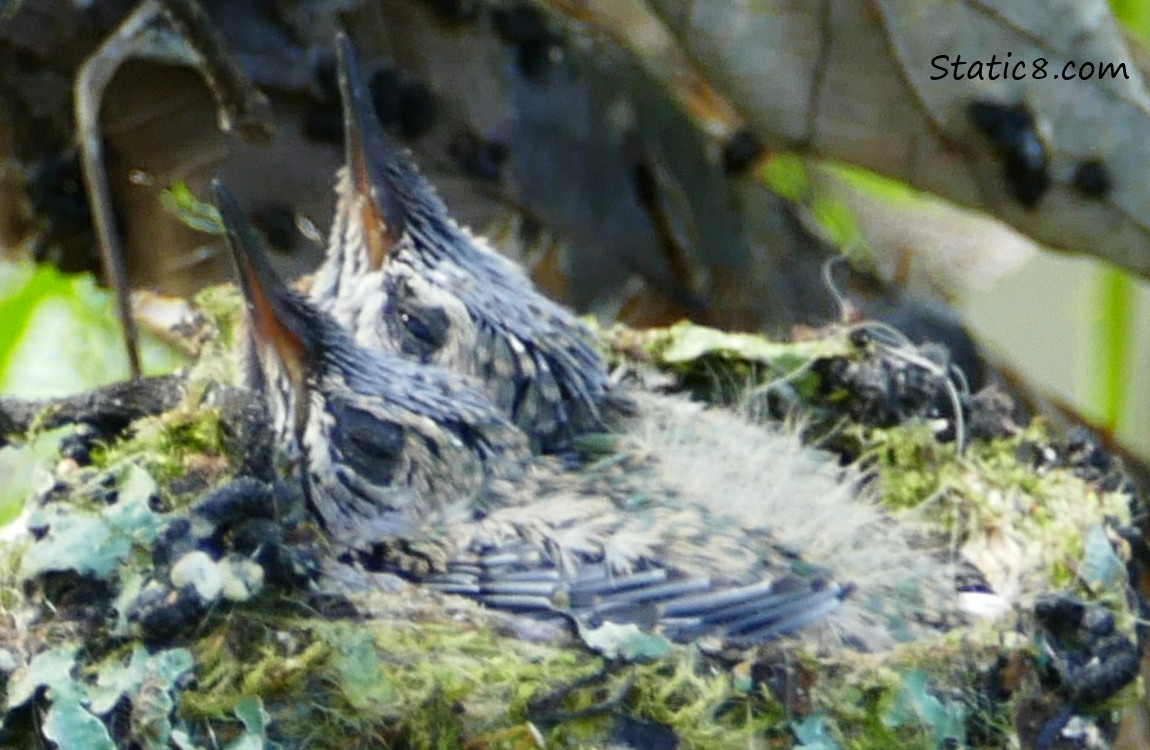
(853,82)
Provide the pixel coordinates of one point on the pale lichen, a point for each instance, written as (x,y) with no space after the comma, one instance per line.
(398,666)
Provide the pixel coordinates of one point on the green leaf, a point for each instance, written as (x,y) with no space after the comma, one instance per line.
(1135,14)
(838,220)
(180,201)
(873,183)
(21,289)
(1115,325)
(689,342)
(786,174)
(60,334)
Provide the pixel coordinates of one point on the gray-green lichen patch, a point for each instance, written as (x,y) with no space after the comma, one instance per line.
(90,535)
(123,700)
(24,467)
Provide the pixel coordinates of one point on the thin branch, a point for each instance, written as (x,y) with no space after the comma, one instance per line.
(88,94)
(110,408)
(243,108)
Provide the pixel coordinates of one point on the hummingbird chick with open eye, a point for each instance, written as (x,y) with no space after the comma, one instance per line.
(404,277)
(685,530)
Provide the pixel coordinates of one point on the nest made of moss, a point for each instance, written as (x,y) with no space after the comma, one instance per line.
(1039,533)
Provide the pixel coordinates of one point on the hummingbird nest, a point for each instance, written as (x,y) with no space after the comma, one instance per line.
(153,596)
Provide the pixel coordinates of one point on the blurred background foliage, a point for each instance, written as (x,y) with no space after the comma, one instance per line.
(59,334)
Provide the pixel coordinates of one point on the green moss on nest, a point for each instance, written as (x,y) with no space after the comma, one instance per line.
(436,680)
(704,705)
(223,310)
(919,696)
(430,683)
(171,445)
(420,671)
(915,467)
(991,502)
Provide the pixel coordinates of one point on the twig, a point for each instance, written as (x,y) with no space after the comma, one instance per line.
(88,93)
(243,108)
(110,408)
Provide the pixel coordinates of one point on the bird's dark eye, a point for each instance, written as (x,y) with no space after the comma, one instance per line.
(371,446)
(423,328)
(425,332)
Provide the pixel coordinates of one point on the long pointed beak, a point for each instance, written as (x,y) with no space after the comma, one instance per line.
(367,155)
(274,324)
